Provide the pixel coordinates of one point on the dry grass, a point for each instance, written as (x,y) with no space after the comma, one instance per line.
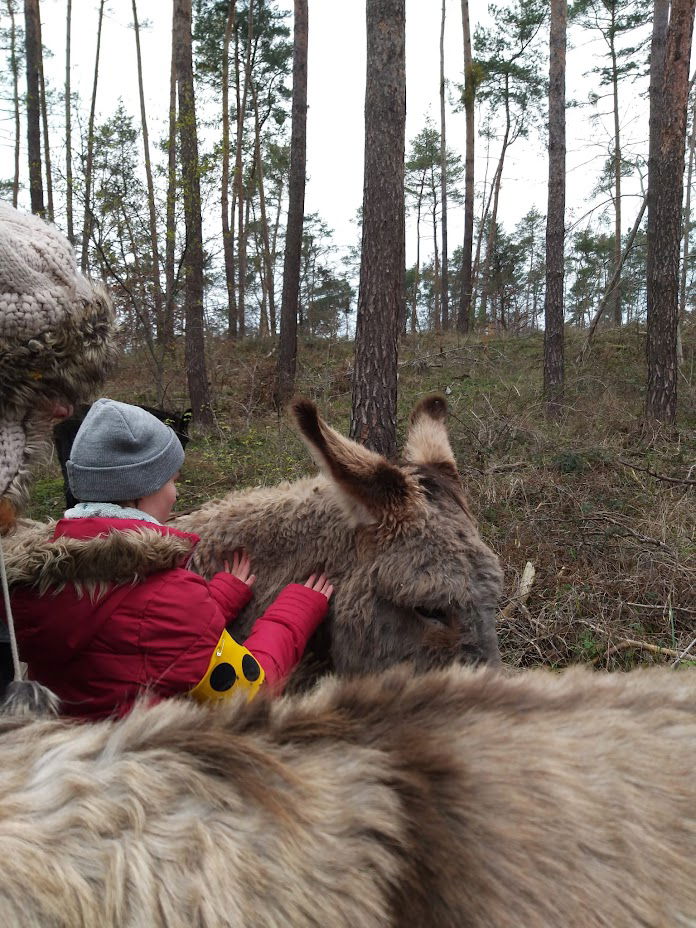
(603,506)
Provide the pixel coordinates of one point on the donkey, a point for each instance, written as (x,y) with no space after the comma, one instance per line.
(461,798)
(414,581)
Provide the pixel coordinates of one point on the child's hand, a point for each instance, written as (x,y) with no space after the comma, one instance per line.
(241,568)
(320,584)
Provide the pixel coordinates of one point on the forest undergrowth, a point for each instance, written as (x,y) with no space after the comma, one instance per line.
(602,506)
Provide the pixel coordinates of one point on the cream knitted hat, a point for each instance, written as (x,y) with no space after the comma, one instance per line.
(55,340)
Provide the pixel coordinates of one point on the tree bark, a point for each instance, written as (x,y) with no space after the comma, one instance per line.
(14,67)
(686,223)
(266,266)
(444,276)
(68,128)
(287,350)
(238,173)
(87,224)
(169,277)
(381,296)
(555,218)
(227,233)
(154,245)
(665,182)
(44,123)
(437,322)
(416,280)
(196,372)
(32,34)
(464,318)
(617,175)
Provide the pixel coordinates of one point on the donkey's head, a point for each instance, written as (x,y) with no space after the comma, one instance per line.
(419,585)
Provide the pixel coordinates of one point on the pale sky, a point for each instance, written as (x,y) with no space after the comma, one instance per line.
(336,100)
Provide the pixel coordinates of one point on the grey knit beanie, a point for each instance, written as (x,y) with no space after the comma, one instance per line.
(121,453)
(56,343)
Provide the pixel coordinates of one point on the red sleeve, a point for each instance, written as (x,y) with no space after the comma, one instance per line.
(279,637)
(230,593)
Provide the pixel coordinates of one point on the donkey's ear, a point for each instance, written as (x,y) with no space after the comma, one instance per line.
(427,442)
(380,488)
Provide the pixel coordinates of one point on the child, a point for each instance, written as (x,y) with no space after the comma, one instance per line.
(109,611)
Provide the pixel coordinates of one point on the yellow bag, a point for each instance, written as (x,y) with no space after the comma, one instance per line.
(232,668)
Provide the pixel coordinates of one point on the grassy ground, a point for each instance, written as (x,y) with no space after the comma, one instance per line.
(603,507)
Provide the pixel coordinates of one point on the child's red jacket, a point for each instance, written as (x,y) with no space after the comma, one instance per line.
(106,611)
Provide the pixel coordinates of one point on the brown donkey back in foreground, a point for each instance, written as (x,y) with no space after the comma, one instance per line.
(455,798)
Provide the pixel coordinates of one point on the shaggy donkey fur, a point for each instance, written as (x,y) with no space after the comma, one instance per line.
(414,581)
(458,799)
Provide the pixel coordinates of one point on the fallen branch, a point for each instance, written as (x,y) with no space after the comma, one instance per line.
(684,653)
(627,643)
(652,473)
(630,531)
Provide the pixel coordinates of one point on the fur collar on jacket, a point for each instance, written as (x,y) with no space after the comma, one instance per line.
(44,557)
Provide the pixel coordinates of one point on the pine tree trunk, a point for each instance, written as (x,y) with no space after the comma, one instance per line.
(266,266)
(32,34)
(686,223)
(193,265)
(492,228)
(287,349)
(437,322)
(47,144)
(169,273)
(68,128)
(617,181)
(663,247)
(238,174)
(87,224)
(444,277)
(381,296)
(154,244)
(555,220)
(416,281)
(464,316)
(14,67)
(227,233)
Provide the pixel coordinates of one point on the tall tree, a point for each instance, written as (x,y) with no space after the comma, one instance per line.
(423,187)
(666,188)
(555,220)
(152,212)
(170,246)
(510,57)
(227,231)
(464,314)
(615,20)
(68,127)
(686,223)
(87,221)
(444,280)
(287,350)
(381,296)
(196,371)
(46,140)
(239,197)
(32,39)
(14,67)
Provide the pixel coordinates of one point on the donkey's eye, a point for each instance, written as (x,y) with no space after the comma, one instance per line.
(437,615)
